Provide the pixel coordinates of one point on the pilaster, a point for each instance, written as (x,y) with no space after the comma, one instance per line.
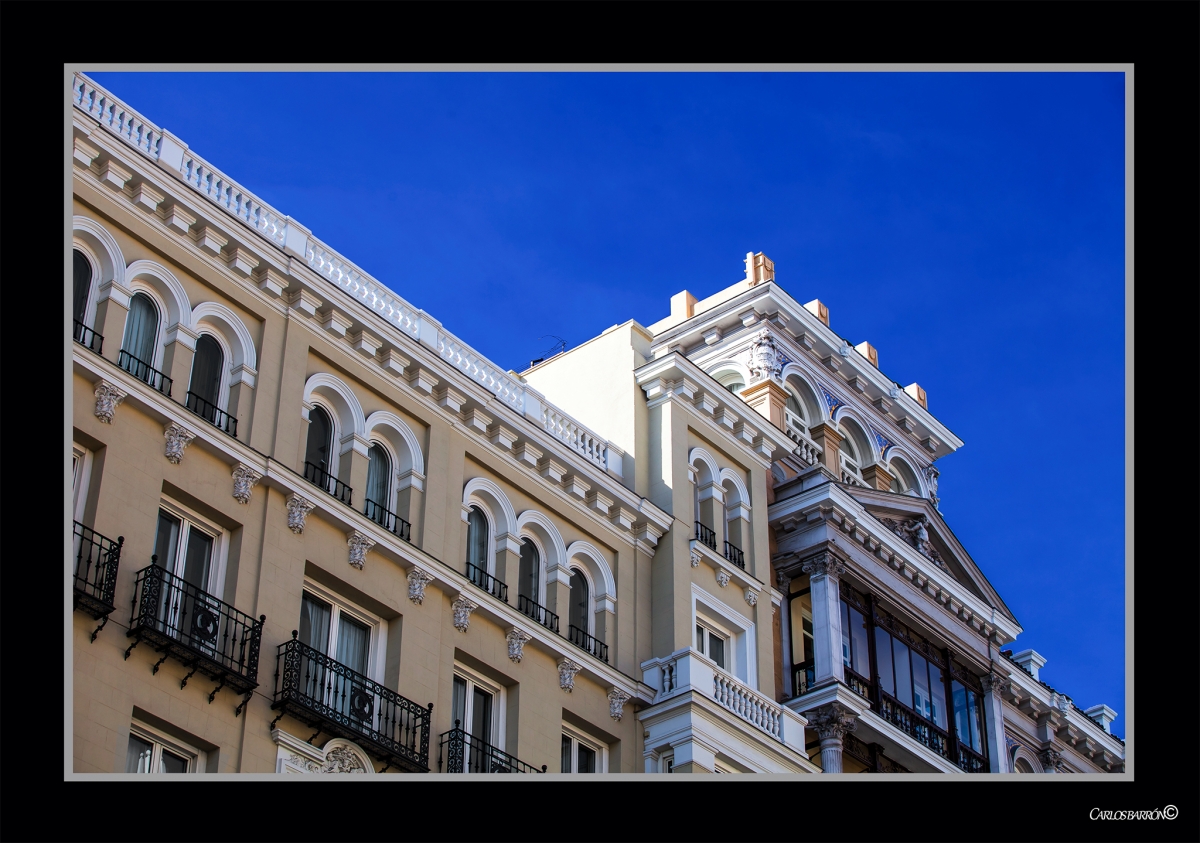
(767,398)
(827,438)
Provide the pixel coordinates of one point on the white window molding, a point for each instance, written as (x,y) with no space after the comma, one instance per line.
(377,626)
(89,308)
(81,465)
(153,747)
(333,447)
(711,612)
(220,550)
(226,365)
(573,739)
(473,679)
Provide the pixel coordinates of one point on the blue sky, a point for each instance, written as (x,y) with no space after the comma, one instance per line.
(969,225)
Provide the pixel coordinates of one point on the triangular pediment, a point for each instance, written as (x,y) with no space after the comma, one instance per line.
(918,524)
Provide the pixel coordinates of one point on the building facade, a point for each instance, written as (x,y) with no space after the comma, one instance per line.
(312,531)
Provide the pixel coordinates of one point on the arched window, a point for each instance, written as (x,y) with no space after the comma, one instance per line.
(577,614)
(848,455)
(83,284)
(528,583)
(204,392)
(794,413)
(1023,766)
(317,453)
(731,381)
(378,492)
(141,336)
(477,540)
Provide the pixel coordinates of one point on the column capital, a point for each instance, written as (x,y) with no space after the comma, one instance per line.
(832,721)
(823,564)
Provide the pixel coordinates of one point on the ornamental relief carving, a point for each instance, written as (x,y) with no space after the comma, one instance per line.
(107,399)
(566,674)
(616,702)
(1051,760)
(463,607)
(177,440)
(751,597)
(832,721)
(516,644)
(915,534)
(766,360)
(417,580)
(824,564)
(995,683)
(341,759)
(722,577)
(244,479)
(298,509)
(359,545)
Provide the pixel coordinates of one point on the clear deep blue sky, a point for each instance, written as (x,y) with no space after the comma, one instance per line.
(970,226)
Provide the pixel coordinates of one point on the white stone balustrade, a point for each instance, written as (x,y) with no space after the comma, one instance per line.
(807,449)
(279,229)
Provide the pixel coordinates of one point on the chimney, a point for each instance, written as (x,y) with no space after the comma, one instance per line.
(868,351)
(682,305)
(1103,715)
(1031,660)
(916,392)
(759,268)
(819,310)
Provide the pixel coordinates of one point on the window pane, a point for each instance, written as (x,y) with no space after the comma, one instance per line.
(860,660)
(352,644)
(477,538)
(883,660)
(527,584)
(903,674)
(801,627)
(587,760)
(197,557)
(578,614)
(377,477)
(141,331)
(206,371)
(320,431)
(172,763)
(137,759)
(83,283)
(565,765)
(920,673)
(481,715)
(961,727)
(716,646)
(699,638)
(937,695)
(458,705)
(314,623)
(976,715)
(845,633)
(167,540)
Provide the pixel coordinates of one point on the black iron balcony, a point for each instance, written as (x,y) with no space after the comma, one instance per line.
(871,755)
(538,612)
(320,477)
(735,555)
(913,724)
(592,644)
(85,336)
(203,633)
(706,535)
(390,521)
(329,696)
(459,752)
(804,676)
(96,561)
(144,372)
(971,761)
(857,683)
(211,413)
(487,582)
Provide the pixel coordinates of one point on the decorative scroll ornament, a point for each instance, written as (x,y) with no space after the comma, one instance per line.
(566,674)
(244,479)
(516,643)
(766,361)
(695,559)
(359,545)
(616,702)
(722,577)
(832,721)
(1051,760)
(751,597)
(177,439)
(463,607)
(298,509)
(783,580)
(915,534)
(107,399)
(341,759)
(417,580)
(823,565)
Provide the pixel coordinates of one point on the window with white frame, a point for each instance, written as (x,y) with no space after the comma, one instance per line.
(209,383)
(793,412)
(713,642)
(140,343)
(477,707)
(666,762)
(336,630)
(478,543)
(85,277)
(378,497)
(848,455)
(319,462)
(152,751)
(732,381)
(581,753)
(724,636)
(81,470)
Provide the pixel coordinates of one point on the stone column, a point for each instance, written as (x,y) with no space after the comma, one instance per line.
(827,438)
(832,722)
(993,686)
(785,635)
(823,570)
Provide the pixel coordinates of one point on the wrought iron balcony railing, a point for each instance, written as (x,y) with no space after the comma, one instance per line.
(591,643)
(390,521)
(857,683)
(538,612)
(487,582)
(144,372)
(804,676)
(97,559)
(970,760)
(735,555)
(211,413)
(913,724)
(85,336)
(323,479)
(459,752)
(326,694)
(190,625)
(706,535)
(871,755)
